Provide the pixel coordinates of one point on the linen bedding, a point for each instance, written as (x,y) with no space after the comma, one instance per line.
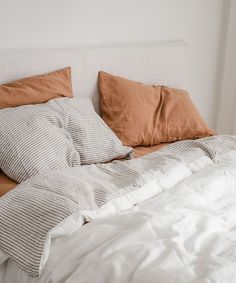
(166,217)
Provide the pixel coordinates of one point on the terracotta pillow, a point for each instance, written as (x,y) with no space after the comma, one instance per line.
(142,115)
(37,89)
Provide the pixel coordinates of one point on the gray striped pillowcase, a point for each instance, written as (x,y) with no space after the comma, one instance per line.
(64,132)
(92,138)
(33,140)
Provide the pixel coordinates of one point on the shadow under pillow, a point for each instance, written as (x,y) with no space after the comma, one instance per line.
(143,115)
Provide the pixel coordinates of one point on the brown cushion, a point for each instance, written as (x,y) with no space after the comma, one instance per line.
(37,89)
(143,115)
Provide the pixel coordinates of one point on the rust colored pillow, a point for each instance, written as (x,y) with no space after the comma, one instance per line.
(37,89)
(142,115)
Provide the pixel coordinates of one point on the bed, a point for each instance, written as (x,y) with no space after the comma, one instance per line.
(166,214)
(171,59)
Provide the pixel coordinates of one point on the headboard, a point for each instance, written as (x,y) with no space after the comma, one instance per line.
(164,64)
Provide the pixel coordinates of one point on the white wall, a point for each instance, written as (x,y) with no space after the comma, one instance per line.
(68,23)
(227,102)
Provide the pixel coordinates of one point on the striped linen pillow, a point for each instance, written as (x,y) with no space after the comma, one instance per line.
(64,132)
(92,138)
(33,140)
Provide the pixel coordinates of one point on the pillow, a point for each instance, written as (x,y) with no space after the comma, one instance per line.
(92,138)
(34,140)
(37,89)
(142,115)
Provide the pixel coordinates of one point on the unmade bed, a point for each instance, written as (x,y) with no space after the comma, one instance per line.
(109,173)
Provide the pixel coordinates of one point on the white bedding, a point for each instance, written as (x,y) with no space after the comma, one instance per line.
(184,234)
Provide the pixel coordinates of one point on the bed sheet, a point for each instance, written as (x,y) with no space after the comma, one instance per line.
(186,234)
(7,184)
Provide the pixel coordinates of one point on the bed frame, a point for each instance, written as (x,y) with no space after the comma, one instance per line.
(161,63)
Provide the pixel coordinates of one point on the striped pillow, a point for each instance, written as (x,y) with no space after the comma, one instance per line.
(34,140)
(92,138)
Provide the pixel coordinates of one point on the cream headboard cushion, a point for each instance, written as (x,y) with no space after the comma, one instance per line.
(164,64)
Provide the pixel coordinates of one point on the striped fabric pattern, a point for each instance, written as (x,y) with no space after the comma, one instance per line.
(92,138)
(212,146)
(34,140)
(31,211)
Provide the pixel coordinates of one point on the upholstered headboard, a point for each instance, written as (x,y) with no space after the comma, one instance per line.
(164,64)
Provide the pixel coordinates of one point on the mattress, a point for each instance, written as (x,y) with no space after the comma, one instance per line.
(7,184)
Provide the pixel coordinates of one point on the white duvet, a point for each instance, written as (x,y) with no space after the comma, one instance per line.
(184,234)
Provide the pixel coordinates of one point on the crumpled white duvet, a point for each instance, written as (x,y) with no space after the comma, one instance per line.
(184,234)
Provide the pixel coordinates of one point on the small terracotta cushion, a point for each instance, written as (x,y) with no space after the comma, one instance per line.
(37,89)
(142,115)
